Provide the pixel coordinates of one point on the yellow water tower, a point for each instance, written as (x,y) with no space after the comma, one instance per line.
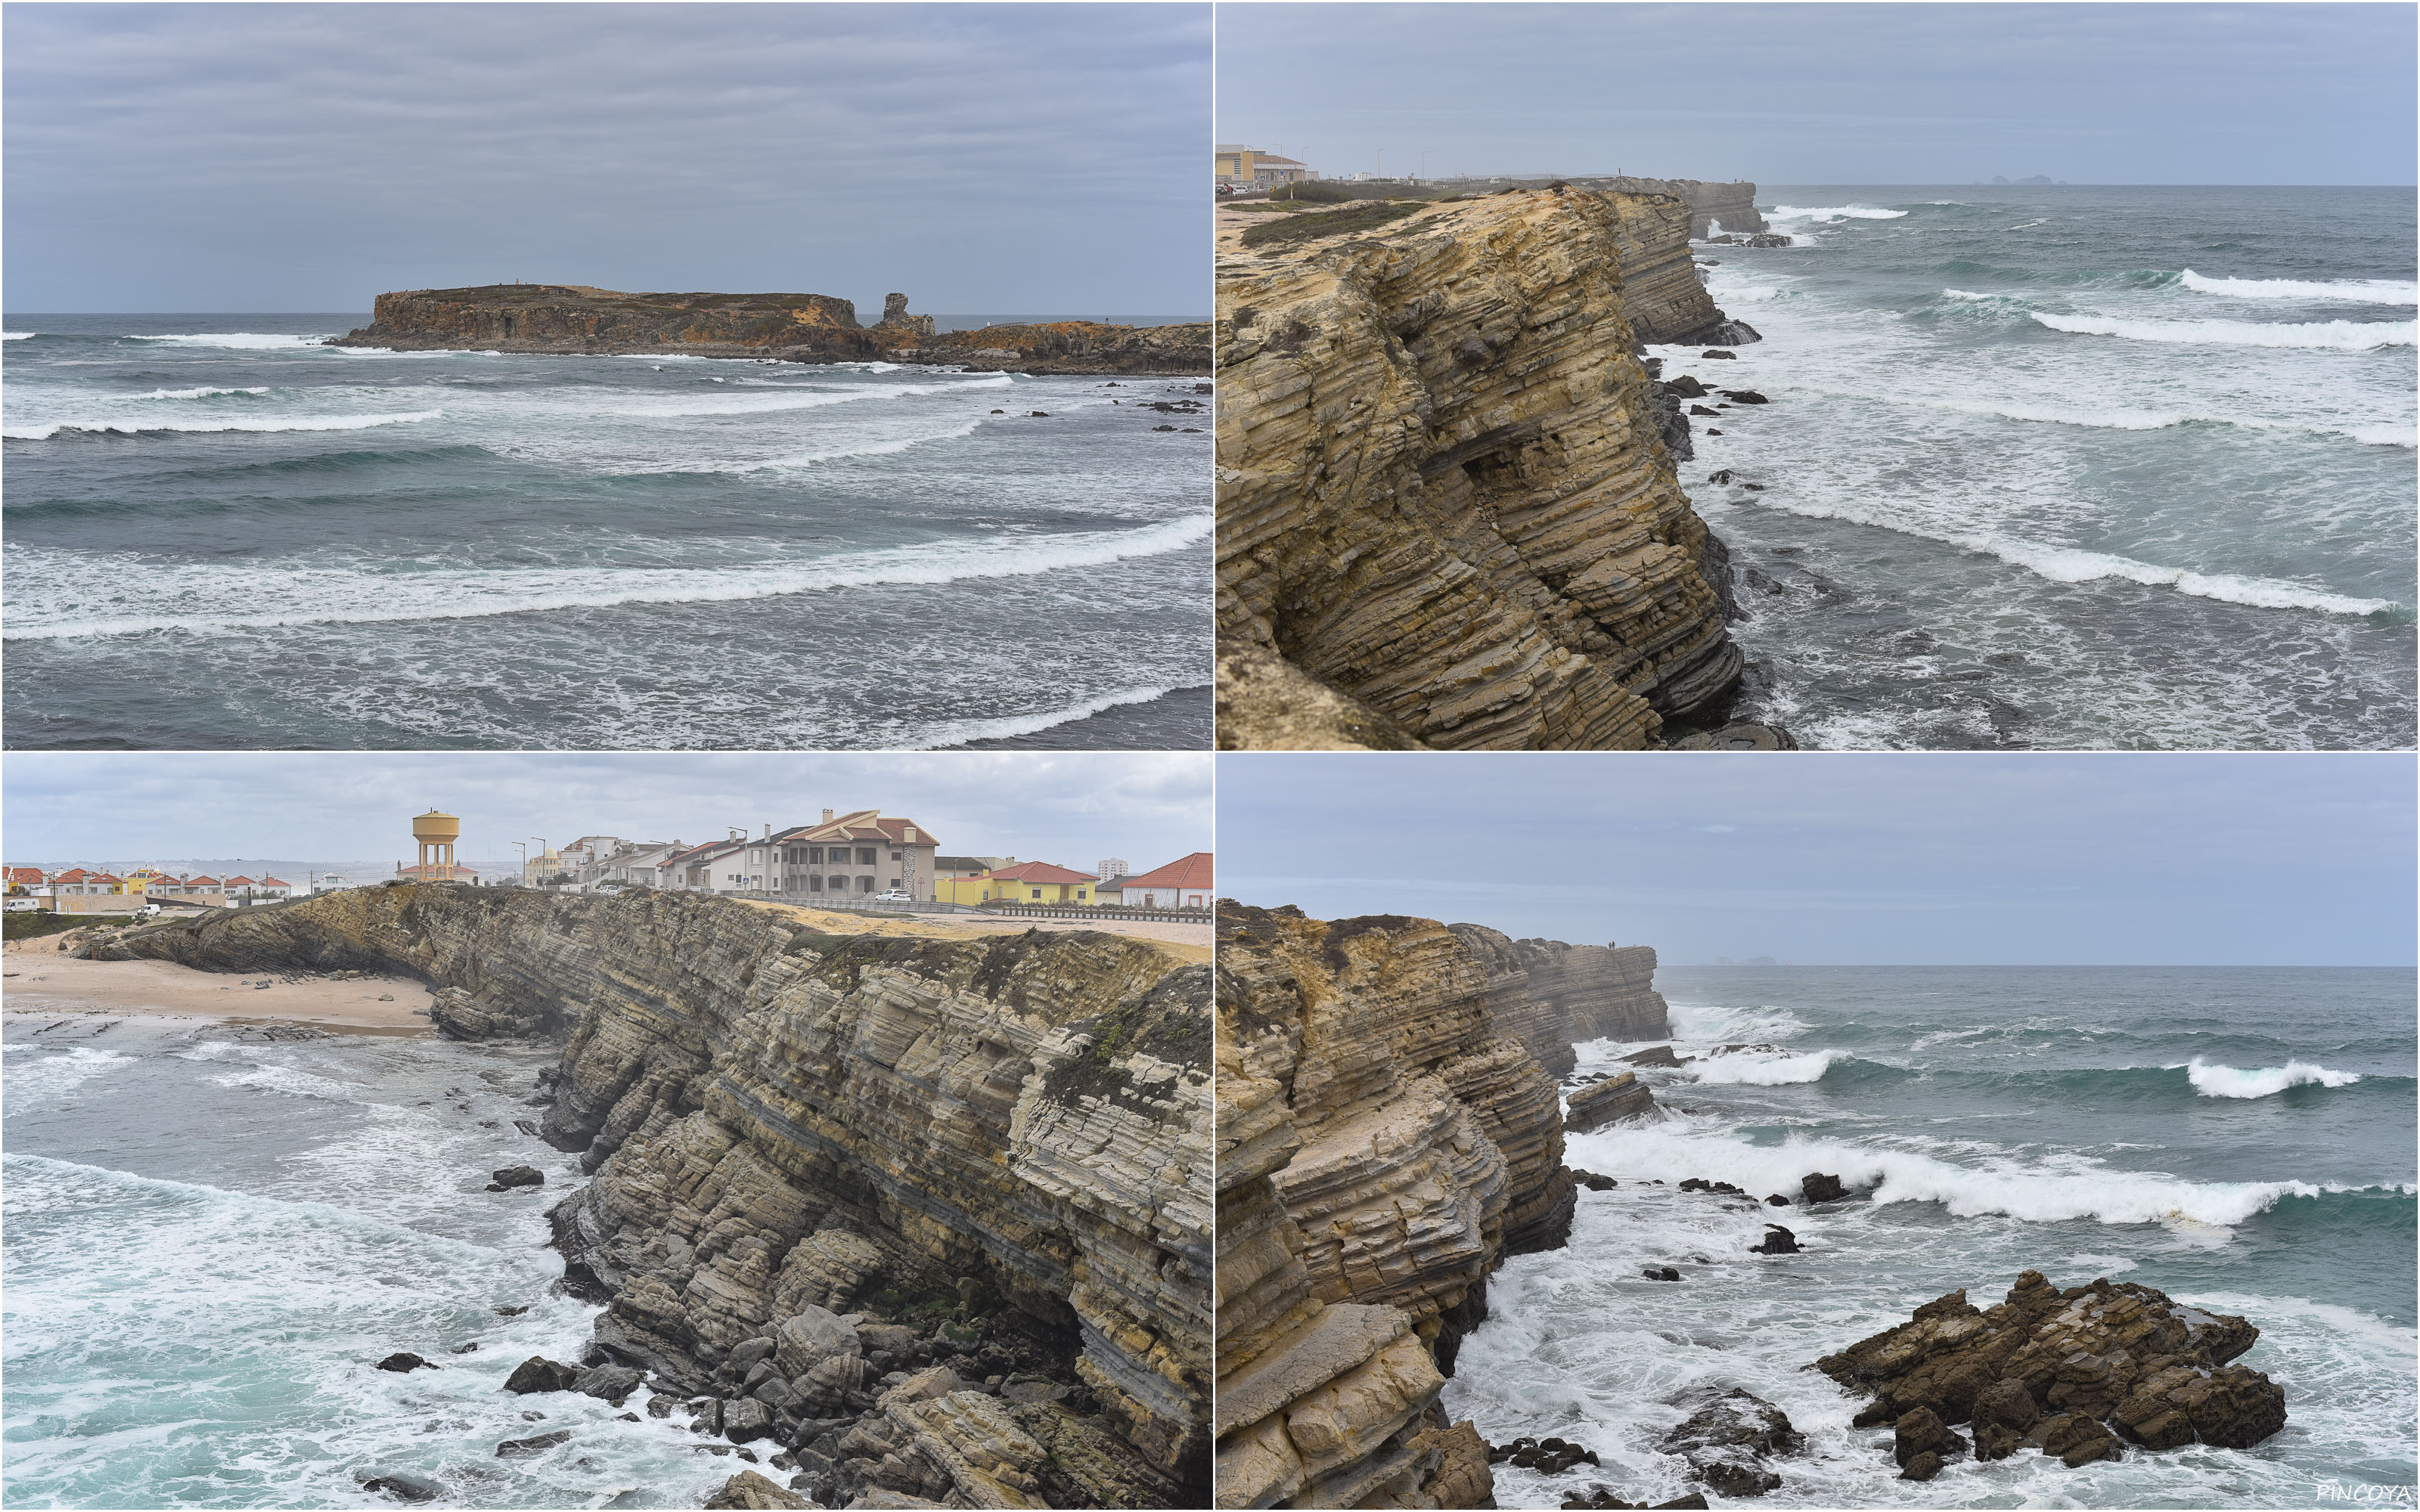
(436,832)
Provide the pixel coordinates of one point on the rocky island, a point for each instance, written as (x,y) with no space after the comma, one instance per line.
(1447,511)
(569,318)
(926,1219)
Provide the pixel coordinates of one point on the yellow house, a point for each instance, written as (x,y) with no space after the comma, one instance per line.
(1035,882)
(143,878)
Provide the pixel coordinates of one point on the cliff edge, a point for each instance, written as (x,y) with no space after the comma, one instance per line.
(1385,1138)
(569,318)
(1445,492)
(932,1213)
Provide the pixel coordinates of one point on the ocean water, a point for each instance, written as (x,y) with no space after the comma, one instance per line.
(2073,468)
(2241,1139)
(221,535)
(210,1243)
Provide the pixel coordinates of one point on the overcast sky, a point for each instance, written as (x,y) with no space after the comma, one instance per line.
(1831,94)
(1867,859)
(1073,809)
(996,159)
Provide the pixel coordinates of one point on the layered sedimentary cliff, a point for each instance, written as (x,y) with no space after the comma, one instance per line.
(850,1156)
(1384,1139)
(1550,995)
(1662,296)
(1443,493)
(801,328)
(1730,206)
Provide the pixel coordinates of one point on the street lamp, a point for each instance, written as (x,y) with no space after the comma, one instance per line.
(541,858)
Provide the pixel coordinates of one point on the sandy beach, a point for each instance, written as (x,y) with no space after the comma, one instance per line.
(46,984)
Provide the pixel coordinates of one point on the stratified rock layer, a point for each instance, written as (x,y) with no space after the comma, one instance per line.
(1000,1143)
(1442,490)
(2058,1371)
(1550,995)
(1384,1142)
(800,328)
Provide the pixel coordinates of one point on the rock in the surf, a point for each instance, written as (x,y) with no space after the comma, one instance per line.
(538,1373)
(1816,1187)
(2072,1373)
(752,1492)
(1726,1439)
(405,1361)
(1608,1101)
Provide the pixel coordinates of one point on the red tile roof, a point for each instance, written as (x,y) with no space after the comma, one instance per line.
(1186,872)
(201,881)
(1037,871)
(25,874)
(272,882)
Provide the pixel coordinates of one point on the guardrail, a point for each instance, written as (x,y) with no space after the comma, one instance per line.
(1153,915)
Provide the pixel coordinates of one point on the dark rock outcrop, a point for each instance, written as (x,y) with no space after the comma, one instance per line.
(405,1362)
(799,327)
(2070,1372)
(1817,1187)
(1726,1439)
(1610,1101)
(516,1176)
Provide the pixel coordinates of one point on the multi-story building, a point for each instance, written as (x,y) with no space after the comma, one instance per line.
(856,853)
(1112,866)
(1248,168)
(1183,883)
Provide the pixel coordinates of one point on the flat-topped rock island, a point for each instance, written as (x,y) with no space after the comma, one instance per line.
(576,319)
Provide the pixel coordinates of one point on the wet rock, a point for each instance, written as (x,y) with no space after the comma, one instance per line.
(1744,397)
(1685,386)
(752,1491)
(1594,1182)
(516,1176)
(1701,411)
(746,1420)
(1778,1241)
(1922,1431)
(1661,1272)
(1922,1467)
(705,1415)
(1618,1096)
(607,1382)
(406,1362)
(1776,1200)
(2075,1440)
(404,1488)
(511,1312)
(1656,1056)
(1548,1456)
(1716,351)
(471,1348)
(538,1373)
(525,1448)
(1720,475)
(1726,1439)
(1816,1187)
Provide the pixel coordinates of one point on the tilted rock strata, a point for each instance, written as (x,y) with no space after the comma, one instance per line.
(1550,995)
(1382,1146)
(1733,205)
(2058,1371)
(1441,487)
(1008,1134)
(801,328)
(1662,296)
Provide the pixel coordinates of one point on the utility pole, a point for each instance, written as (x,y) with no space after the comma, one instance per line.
(541,855)
(522,846)
(1382,162)
(1424,169)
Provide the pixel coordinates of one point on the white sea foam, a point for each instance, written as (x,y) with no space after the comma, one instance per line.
(263,424)
(18,336)
(74,590)
(960,732)
(2211,1080)
(837,452)
(1749,294)
(37,1073)
(1998,1182)
(195,393)
(2325,336)
(243,341)
(2352,290)
(1708,1024)
(2073,565)
(1763,1068)
(1833,212)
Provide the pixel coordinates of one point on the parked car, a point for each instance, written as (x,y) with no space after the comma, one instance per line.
(893,896)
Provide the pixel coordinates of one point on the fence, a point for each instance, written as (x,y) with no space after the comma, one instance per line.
(1151,915)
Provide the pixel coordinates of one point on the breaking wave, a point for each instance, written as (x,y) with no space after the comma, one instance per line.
(2326,335)
(2355,291)
(2265,1081)
(1834,212)
(136,427)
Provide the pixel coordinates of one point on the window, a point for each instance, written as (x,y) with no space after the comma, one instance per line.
(865,883)
(815,884)
(894,856)
(815,855)
(1037,895)
(866,856)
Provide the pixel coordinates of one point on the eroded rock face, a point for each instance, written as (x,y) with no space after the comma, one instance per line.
(2070,1373)
(1383,1144)
(1442,488)
(1550,995)
(821,1158)
(803,327)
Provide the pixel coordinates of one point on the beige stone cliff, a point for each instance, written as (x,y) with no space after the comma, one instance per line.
(1444,502)
(995,1150)
(1385,1138)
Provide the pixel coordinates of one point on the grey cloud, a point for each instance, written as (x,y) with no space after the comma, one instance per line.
(1001,159)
